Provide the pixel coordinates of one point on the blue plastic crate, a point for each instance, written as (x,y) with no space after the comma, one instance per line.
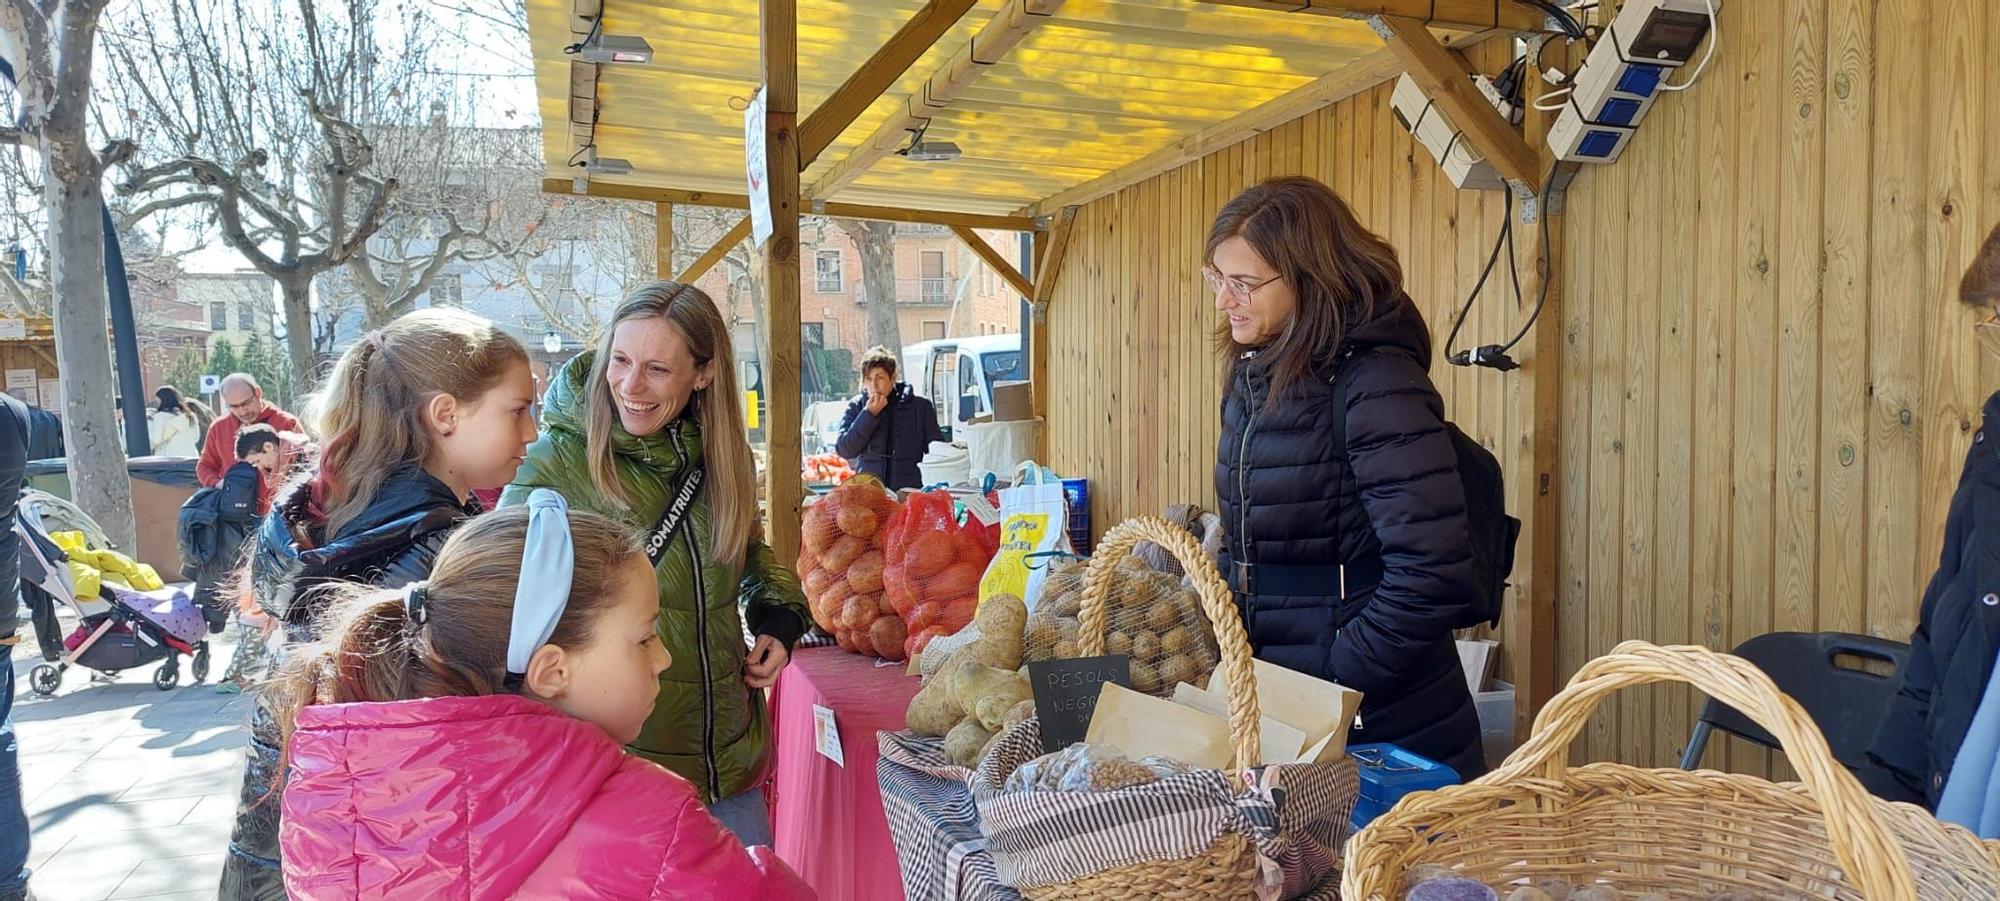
(1388,773)
(1077,492)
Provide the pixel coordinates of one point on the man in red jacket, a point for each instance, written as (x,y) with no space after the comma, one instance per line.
(245,400)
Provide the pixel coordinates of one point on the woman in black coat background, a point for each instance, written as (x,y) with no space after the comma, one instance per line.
(1354,563)
(1958,629)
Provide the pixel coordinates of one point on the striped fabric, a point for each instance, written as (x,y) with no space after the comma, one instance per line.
(934,823)
(1295,815)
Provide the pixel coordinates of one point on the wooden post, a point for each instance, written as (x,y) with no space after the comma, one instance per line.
(1458,14)
(779,39)
(663,240)
(1531,641)
(1051,247)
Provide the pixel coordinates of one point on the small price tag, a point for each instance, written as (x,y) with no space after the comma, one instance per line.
(981,510)
(1066,695)
(827,735)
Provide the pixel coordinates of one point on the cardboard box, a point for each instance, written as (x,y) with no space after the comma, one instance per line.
(1013,402)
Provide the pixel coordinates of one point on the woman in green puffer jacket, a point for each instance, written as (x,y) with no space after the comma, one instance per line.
(624,429)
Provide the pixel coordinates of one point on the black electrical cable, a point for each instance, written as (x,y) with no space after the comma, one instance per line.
(1542,266)
(596,25)
(1506,229)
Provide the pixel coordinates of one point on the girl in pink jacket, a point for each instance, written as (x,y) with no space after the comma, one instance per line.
(462,738)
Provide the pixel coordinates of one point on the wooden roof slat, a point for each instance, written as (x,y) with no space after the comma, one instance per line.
(1473,14)
(1000,35)
(837,210)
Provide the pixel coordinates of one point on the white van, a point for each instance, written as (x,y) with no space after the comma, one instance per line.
(958,374)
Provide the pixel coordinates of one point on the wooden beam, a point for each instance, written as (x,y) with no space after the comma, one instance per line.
(1048,267)
(998,37)
(1325,91)
(837,210)
(714,254)
(995,260)
(1506,14)
(663,240)
(778,36)
(1531,642)
(876,75)
(1443,76)
(1049,255)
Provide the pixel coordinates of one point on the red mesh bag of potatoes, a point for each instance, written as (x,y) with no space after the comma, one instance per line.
(841,565)
(932,567)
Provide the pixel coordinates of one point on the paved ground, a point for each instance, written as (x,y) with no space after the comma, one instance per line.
(130,790)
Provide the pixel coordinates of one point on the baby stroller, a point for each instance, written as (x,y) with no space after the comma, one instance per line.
(120,629)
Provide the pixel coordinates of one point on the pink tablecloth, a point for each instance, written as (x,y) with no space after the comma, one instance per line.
(827,818)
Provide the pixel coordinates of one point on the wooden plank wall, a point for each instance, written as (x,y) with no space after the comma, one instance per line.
(1768,386)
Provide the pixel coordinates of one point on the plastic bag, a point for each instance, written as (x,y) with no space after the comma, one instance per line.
(1084,767)
(841,566)
(1205,526)
(933,567)
(1034,522)
(1150,616)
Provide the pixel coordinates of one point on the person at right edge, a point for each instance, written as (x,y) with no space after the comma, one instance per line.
(889,428)
(1939,742)
(1351,561)
(13,812)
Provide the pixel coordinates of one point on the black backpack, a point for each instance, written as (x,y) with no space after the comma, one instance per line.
(1493,531)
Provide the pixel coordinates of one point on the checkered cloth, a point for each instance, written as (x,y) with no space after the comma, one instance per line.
(958,836)
(1295,815)
(934,824)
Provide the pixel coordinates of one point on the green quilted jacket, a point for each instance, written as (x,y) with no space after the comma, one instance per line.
(707,725)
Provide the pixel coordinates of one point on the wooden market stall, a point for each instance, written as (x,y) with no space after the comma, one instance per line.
(1742,410)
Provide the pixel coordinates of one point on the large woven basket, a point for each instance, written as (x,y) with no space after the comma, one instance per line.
(1684,834)
(1228,869)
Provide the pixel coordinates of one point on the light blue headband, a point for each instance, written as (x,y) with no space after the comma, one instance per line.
(547,564)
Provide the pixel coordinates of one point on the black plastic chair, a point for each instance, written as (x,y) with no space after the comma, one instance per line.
(1845,703)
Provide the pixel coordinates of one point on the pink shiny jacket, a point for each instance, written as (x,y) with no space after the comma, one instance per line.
(498,797)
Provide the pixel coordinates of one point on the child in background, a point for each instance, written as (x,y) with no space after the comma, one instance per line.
(462,737)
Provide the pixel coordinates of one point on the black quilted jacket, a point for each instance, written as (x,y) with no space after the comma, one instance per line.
(1392,497)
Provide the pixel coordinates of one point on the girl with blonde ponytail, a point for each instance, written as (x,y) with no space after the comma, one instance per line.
(415,416)
(648,428)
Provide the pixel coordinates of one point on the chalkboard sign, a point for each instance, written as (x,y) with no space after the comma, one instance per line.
(1066,694)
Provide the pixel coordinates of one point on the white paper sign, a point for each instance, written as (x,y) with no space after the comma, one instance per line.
(981,509)
(13,329)
(51,392)
(22,378)
(827,735)
(28,396)
(753,163)
(211,383)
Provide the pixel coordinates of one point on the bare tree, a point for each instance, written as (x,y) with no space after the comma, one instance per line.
(49,46)
(259,113)
(877,243)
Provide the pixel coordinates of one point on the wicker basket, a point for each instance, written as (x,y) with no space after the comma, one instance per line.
(1684,834)
(1229,868)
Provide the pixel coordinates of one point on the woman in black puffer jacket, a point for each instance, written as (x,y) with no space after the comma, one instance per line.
(1350,563)
(417,414)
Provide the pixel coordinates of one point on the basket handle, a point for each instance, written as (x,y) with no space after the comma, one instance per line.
(1216,603)
(1868,853)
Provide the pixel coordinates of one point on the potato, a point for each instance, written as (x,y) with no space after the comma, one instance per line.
(864,575)
(883,607)
(1162,613)
(820,583)
(842,554)
(968,549)
(1068,628)
(956,580)
(1002,621)
(934,711)
(964,743)
(1068,604)
(1177,640)
(1018,714)
(1146,647)
(845,639)
(986,693)
(857,612)
(1067,650)
(1118,643)
(859,521)
(1042,634)
(928,555)
(1145,677)
(821,528)
(887,635)
(1177,669)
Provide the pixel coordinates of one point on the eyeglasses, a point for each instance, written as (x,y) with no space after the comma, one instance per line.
(1988,333)
(1235,287)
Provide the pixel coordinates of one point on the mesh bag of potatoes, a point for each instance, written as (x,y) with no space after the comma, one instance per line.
(841,566)
(1152,617)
